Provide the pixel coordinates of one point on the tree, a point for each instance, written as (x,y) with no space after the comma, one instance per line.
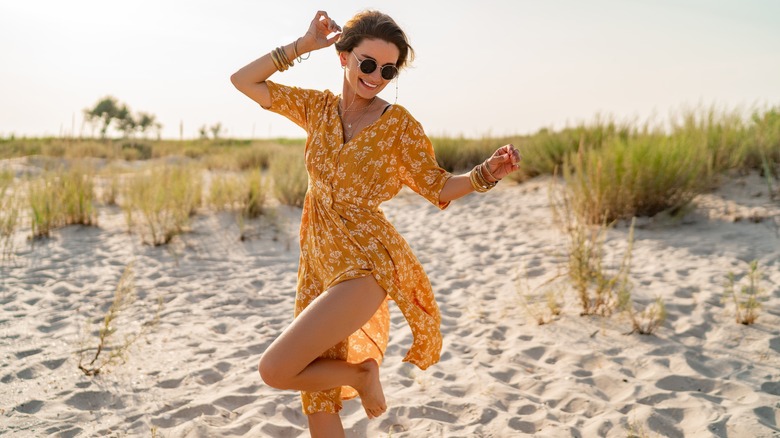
(108,110)
(105,111)
(216,130)
(126,122)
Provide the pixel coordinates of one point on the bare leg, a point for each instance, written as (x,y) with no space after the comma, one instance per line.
(291,361)
(325,425)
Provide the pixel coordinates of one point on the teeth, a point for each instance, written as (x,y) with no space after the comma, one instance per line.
(367,84)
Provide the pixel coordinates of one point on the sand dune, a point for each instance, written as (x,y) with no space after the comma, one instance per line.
(193,374)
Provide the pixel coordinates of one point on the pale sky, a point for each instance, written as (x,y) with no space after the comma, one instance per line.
(484,67)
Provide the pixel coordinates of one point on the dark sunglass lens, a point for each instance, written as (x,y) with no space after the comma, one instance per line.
(389,72)
(367,66)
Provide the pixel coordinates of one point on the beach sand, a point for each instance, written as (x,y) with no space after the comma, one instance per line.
(193,371)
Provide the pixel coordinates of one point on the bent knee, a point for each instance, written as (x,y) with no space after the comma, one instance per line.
(274,373)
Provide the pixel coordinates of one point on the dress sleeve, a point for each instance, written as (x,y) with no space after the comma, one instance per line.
(419,169)
(297,104)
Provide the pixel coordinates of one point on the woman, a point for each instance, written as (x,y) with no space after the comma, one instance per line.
(359,152)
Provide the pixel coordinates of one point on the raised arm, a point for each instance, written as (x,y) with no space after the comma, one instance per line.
(251,78)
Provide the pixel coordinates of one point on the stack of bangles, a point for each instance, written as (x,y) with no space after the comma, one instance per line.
(280,59)
(478,180)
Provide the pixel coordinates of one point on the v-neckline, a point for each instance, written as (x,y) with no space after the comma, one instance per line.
(357,134)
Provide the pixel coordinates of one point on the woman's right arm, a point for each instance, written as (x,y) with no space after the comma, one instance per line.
(251,78)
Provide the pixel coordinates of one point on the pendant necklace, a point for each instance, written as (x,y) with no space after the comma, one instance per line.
(356,122)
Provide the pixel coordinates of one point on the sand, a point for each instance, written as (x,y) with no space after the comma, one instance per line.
(192,373)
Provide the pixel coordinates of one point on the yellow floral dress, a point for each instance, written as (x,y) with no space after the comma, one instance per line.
(344,234)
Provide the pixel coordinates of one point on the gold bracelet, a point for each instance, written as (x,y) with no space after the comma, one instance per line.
(277,63)
(283,57)
(476,183)
(482,181)
(295,49)
(487,169)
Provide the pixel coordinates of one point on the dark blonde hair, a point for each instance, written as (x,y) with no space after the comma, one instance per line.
(375,25)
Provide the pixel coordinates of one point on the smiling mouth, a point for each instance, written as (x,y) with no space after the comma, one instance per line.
(371,86)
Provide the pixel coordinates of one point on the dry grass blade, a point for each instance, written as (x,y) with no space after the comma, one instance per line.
(106,352)
(123,296)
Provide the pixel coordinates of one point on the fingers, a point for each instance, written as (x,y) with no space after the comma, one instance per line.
(329,23)
(505,160)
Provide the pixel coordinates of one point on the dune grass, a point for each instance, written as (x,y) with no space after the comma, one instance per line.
(584,251)
(61,197)
(649,319)
(289,177)
(107,351)
(747,302)
(614,170)
(635,177)
(9,214)
(159,202)
(244,194)
(459,154)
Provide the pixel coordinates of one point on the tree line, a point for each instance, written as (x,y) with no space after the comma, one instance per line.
(109,112)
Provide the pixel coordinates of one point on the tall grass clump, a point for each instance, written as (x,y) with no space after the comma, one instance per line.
(161,201)
(765,156)
(639,176)
(244,194)
(460,154)
(747,302)
(546,151)
(241,158)
(9,214)
(290,178)
(77,191)
(61,197)
(595,286)
(723,133)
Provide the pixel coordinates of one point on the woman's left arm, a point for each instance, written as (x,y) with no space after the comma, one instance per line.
(504,161)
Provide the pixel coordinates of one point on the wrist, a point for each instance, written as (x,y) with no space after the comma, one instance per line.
(487,174)
(305,45)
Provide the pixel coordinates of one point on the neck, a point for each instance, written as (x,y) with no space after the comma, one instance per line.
(350,100)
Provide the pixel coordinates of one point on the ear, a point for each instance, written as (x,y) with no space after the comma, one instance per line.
(343,57)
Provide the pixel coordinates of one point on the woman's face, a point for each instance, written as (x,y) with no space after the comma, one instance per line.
(369,85)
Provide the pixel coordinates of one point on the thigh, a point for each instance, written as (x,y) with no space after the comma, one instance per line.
(329,319)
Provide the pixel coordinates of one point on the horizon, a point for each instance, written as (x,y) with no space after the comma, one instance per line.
(495,69)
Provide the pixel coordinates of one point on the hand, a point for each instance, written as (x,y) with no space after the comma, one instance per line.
(504,161)
(317,35)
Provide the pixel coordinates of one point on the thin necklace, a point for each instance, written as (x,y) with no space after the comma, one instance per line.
(350,131)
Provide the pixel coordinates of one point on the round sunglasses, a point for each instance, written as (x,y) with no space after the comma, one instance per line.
(368,65)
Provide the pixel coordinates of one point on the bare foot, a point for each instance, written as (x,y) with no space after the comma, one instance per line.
(370,389)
